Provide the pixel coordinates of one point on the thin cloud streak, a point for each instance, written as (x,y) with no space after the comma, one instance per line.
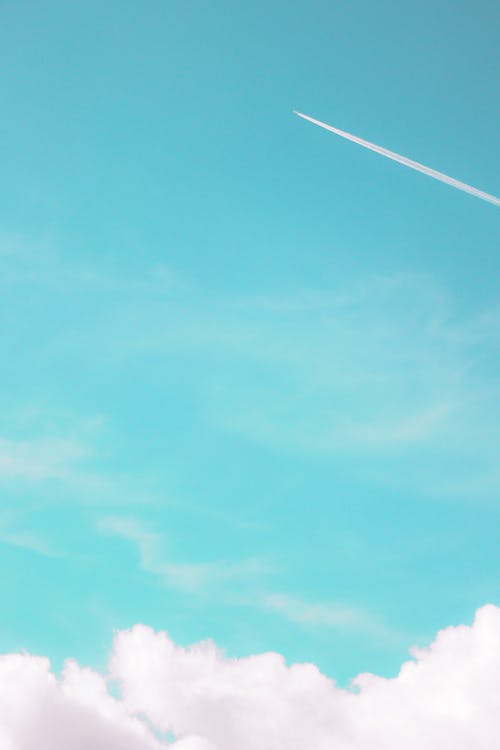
(237,583)
(404,160)
(343,617)
(192,578)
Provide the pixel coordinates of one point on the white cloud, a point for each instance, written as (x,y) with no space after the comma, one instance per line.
(326,614)
(390,370)
(42,450)
(39,458)
(72,712)
(240,582)
(446,698)
(192,577)
(26,540)
(14,534)
(29,262)
(411,429)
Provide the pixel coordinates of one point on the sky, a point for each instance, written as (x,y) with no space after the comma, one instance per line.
(249,370)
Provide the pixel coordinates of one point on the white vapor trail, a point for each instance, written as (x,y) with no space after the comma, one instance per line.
(407,162)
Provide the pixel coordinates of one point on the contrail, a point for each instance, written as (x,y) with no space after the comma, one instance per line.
(407,162)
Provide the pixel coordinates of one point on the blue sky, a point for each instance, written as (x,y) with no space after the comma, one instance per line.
(250,370)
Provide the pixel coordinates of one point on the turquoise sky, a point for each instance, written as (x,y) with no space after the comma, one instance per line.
(250,383)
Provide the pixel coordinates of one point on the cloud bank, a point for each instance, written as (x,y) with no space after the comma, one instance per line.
(159,695)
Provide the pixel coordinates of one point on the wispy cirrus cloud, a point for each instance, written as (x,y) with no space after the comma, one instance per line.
(13,532)
(242,583)
(335,615)
(187,576)
(40,263)
(41,458)
(45,455)
(385,368)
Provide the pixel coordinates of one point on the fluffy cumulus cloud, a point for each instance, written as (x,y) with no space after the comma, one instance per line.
(159,695)
(72,712)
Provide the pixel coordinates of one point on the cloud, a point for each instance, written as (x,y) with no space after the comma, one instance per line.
(26,540)
(390,370)
(411,429)
(383,369)
(241,583)
(447,697)
(14,533)
(75,711)
(39,446)
(41,450)
(326,614)
(39,263)
(40,458)
(190,577)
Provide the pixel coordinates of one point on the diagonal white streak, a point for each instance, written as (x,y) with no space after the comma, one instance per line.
(407,162)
